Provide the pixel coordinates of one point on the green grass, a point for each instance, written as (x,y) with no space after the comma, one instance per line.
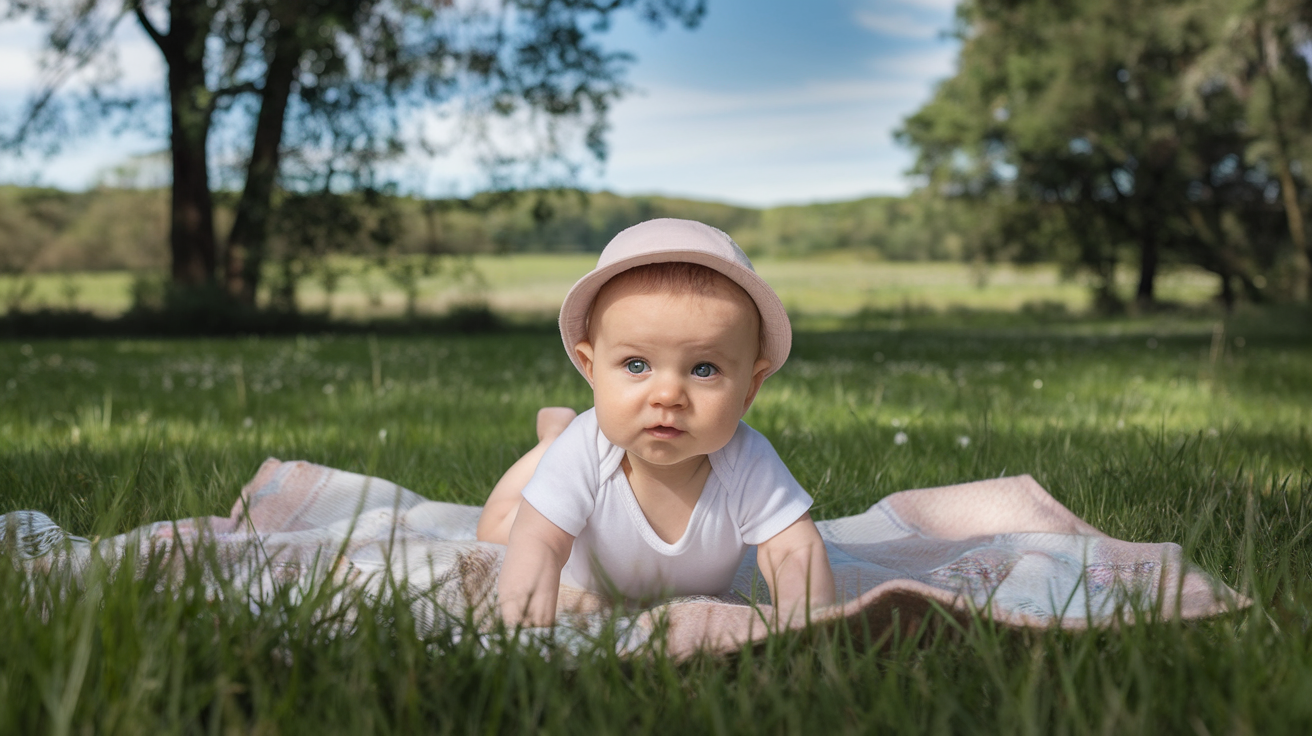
(1165,429)
(532,284)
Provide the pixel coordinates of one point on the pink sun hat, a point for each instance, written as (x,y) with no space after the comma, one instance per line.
(668,240)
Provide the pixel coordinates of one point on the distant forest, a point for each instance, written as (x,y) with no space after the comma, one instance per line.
(44,230)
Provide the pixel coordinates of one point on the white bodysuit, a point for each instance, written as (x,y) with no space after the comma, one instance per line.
(580,487)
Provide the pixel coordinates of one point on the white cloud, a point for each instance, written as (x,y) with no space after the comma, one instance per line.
(686,102)
(18,44)
(918,68)
(816,141)
(900,26)
(80,163)
(826,139)
(138,61)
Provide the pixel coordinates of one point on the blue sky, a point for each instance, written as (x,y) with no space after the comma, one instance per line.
(766,102)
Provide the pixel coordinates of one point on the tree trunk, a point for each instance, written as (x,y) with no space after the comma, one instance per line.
(1149,254)
(1146,222)
(1227,292)
(191,228)
(248,242)
(1302,286)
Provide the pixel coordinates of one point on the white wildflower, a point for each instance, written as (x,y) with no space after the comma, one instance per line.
(1038,383)
(900,438)
(963,441)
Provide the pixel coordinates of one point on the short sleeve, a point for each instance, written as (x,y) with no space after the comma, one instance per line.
(764,497)
(564,486)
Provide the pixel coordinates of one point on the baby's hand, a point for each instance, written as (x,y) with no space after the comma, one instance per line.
(530,576)
(796,568)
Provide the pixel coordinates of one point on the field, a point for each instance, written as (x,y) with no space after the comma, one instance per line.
(533,285)
(1184,429)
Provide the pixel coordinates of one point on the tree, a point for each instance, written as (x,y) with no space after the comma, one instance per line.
(1079,123)
(1261,58)
(345,80)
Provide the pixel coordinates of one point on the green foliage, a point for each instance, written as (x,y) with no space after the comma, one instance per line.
(102,229)
(1102,132)
(327,91)
(914,228)
(1157,430)
(126,229)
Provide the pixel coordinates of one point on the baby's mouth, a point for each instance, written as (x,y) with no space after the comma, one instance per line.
(663,432)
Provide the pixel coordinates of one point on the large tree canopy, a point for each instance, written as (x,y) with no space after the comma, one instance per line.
(345,85)
(1165,129)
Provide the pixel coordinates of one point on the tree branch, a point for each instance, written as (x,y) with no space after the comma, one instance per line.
(238,59)
(80,43)
(232,91)
(236,89)
(139,10)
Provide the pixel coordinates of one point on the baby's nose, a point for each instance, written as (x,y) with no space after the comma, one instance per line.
(668,391)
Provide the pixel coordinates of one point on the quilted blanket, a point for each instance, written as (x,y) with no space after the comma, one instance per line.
(1001,548)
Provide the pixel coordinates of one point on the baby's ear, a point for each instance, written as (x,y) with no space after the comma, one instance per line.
(759,369)
(583,350)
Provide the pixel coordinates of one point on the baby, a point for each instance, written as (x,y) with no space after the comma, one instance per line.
(661,487)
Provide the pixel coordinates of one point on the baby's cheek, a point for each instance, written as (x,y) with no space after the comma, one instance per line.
(608,421)
(725,424)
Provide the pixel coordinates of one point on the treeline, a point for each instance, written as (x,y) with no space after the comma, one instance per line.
(1131,134)
(43,230)
(101,230)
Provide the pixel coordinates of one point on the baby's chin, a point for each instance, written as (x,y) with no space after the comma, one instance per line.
(656,454)
(662,458)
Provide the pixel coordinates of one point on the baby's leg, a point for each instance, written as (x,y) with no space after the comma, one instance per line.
(503,503)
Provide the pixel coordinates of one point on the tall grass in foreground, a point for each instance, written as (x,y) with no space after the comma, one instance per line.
(1167,430)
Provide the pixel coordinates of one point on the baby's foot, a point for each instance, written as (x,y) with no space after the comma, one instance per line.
(552,420)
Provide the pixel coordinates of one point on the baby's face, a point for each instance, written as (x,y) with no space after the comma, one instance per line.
(672,373)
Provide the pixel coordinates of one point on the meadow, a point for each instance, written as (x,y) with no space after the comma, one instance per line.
(1188,427)
(532,285)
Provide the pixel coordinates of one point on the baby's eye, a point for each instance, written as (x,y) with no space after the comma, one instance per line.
(704,370)
(636,366)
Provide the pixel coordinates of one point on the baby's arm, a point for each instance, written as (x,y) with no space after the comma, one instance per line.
(796,568)
(530,575)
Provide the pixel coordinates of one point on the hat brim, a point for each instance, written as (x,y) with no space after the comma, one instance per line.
(776,331)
